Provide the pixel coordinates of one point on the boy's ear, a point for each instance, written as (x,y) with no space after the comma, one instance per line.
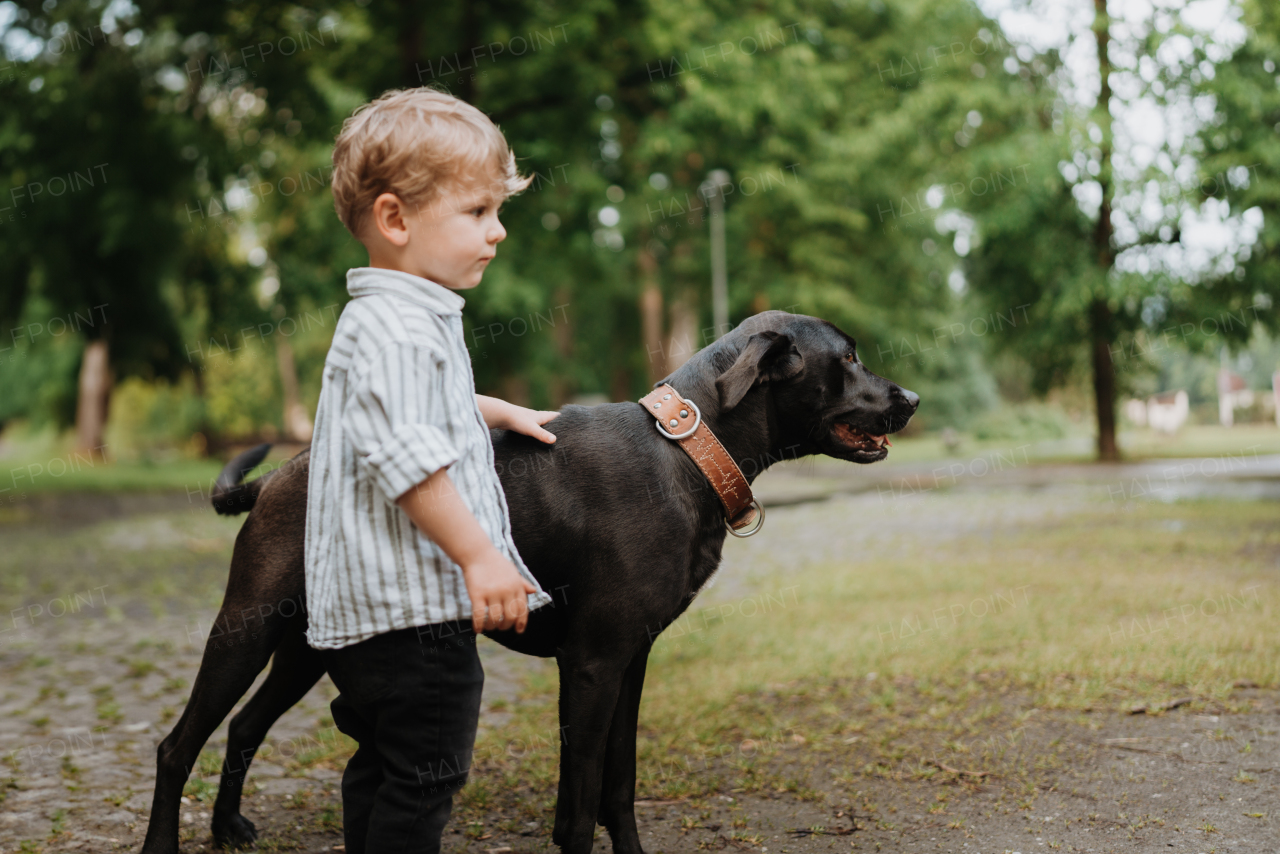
(388,217)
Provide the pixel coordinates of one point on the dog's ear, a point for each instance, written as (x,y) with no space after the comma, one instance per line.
(768,356)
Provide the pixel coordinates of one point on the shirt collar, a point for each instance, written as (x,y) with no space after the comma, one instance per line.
(362,281)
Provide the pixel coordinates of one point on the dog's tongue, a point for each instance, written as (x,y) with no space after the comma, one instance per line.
(850,433)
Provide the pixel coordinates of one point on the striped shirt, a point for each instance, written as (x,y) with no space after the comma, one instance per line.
(397,405)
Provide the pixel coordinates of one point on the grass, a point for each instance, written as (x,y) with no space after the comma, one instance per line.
(69,472)
(1109,597)
(43,464)
(1088,596)
(1203,441)
(1198,440)
(1095,610)
(202,785)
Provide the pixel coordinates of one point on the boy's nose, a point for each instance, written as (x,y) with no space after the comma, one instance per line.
(497,234)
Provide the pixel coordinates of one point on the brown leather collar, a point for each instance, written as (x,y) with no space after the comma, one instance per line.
(681,421)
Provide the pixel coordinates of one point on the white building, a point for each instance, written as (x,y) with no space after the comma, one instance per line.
(1136,411)
(1168,412)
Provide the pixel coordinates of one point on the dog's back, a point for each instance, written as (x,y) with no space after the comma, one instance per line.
(266,566)
(604,481)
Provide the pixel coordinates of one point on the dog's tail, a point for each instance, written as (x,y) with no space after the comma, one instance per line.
(230,496)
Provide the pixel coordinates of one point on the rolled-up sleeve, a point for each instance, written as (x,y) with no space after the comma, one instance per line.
(395,418)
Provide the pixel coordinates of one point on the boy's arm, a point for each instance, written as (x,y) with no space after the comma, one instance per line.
(498,592)
(393,420)
(501,415)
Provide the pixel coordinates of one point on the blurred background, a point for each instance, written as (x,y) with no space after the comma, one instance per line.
(1055,224)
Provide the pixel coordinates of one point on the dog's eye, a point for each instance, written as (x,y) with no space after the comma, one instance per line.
(848,357)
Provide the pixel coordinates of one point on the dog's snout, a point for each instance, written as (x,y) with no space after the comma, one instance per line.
(912,399)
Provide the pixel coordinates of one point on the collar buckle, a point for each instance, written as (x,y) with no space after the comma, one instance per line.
(664,426)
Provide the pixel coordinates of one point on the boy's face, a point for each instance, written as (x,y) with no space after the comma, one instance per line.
(454,238)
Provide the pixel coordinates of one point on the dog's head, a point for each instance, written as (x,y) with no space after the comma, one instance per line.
(826,400)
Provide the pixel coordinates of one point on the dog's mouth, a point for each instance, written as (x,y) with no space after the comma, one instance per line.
(860,445)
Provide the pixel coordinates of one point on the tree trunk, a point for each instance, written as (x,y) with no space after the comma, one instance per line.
(468,87)
(562,385)
(651,316)
(94,397)
(620,384)
(1104,381)
(297,424)
(1102,331)
(514,389)
(409,45)
(683,340)
(206,439)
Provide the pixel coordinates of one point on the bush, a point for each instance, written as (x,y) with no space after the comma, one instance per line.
(953,390)
(1023,421)
(38,382)
(150,419)
(242,392)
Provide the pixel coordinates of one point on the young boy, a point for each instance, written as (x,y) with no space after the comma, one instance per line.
(408,544)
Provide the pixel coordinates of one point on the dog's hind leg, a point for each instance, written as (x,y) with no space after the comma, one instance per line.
(223,678)
(618,791)
(294,669)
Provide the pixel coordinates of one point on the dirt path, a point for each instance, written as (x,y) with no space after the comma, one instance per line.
(80,721)
(1103,782)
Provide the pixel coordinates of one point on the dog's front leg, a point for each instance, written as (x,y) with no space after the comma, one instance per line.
(589,686)
(618,789)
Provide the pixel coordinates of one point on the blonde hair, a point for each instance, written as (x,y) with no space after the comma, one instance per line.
(417,144)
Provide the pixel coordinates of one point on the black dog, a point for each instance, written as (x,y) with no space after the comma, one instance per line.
(614,520)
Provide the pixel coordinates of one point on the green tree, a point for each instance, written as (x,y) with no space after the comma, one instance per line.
(1037,248)
(1098,252)
(1238,152)
(828,120)
(94,158)
(835,123)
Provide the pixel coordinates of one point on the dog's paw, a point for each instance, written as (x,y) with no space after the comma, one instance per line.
(559,835)
(628,846)
(234,832)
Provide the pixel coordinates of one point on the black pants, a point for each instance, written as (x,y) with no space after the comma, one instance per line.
(411,699)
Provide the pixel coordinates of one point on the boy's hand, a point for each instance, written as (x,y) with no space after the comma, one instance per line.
(498,593)
(502,415)
(530,421)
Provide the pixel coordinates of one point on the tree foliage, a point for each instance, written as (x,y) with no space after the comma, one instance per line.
(873,148)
